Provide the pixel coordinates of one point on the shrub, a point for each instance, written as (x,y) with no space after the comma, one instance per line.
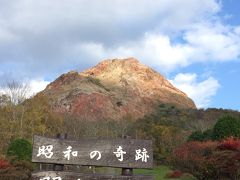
(230,144)
(193,157)
(174,174)
(20,149)
(201,136)
(196,136)
(226,164)
(23,164)
(4,164)
(207,135)
(226,126)
(19,170)
(209,160)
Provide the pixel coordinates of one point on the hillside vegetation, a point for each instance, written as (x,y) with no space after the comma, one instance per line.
(168,126)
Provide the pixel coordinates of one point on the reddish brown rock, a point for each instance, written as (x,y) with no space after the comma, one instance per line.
(114,89)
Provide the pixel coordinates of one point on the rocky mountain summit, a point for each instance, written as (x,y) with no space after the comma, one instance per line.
(114,89)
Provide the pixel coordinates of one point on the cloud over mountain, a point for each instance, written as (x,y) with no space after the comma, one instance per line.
(42,39)
(200,91)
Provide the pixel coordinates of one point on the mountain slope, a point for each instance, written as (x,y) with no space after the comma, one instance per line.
(114,89)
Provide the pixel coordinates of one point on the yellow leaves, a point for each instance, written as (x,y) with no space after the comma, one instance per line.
(165,130)
(33,116)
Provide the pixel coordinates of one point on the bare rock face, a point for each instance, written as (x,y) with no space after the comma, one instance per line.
(114,89)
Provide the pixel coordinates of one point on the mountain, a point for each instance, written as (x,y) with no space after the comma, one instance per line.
(114,89)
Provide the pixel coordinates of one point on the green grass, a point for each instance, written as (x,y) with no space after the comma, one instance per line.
(160,172)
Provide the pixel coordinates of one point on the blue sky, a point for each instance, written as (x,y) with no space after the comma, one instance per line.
(193,43)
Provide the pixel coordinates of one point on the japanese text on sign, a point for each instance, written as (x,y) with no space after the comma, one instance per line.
(47,152)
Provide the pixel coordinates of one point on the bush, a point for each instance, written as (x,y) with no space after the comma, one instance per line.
(196,136)
(227,159)
(19,170)
(230,144)
(209,160)
(226,126)
(174,174)
(201,136)
(226,164)
(20,149)
(193,157)
(24,165)
(4,164)
(208,134)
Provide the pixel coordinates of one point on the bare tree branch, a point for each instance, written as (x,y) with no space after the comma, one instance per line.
(16,91)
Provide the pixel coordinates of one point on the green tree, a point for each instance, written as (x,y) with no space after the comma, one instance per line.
(225,127)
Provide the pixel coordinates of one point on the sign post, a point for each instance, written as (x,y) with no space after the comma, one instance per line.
(121,153)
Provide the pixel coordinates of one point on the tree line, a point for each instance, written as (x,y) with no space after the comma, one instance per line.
(168,126)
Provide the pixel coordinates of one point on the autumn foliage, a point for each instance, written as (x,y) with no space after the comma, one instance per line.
(4,164)
(174,174)
(33,116)
(209,160)
(230,144)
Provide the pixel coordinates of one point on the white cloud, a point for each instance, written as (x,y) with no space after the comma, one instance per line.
(37,85)
(41,16)
(200,91)
(213,42)
(38,38)
(45,32)
(6,36)
(203,43)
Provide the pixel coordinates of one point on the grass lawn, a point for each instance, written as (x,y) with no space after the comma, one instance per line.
(160,172)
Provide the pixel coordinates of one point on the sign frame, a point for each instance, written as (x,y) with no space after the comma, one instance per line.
(108,149)
(82,176)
